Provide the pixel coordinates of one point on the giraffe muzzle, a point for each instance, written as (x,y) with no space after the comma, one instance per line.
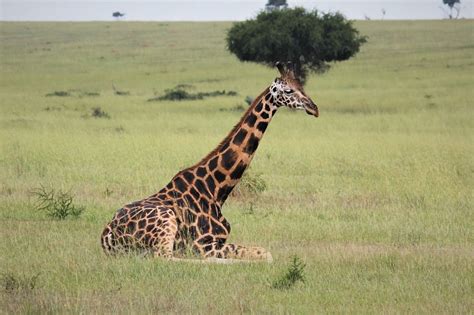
(312,109)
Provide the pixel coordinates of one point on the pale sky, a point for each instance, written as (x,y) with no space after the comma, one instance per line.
(215,10)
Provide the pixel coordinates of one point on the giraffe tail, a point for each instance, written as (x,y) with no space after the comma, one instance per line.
(108,240)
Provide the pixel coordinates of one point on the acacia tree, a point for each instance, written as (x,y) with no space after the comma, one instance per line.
(276,4)
(452,5)
(118,15)
(309,39)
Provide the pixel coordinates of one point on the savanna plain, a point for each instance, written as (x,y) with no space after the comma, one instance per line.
(375,196)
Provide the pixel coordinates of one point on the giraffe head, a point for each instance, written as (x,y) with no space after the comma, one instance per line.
(288,91)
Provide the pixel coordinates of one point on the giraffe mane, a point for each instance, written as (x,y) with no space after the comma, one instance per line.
(236,127)
(288,74)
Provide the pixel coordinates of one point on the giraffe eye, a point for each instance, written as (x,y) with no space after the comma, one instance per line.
(288,91)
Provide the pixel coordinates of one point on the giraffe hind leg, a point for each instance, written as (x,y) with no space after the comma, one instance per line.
(115,245)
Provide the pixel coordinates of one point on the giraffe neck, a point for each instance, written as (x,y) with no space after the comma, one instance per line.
(227,163)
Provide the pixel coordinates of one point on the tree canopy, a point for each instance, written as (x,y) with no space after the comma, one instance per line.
(309,39)
(451,3)
(276,4)
(452,6)
(117,14)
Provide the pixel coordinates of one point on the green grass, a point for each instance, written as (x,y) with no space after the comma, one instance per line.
(375,196)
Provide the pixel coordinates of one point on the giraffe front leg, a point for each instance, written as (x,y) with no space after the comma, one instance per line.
(164,248)
(237,252)
(246,252)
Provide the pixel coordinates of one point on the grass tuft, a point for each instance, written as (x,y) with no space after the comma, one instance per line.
(97,112)
(93,94)
(59,93)
(250,184)
(235,108)
(179,93)
(293,274)
(73,93)
(248,100)
(11,283)
(119,92)
(57,204)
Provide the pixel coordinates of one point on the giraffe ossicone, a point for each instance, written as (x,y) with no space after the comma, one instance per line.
(186,213)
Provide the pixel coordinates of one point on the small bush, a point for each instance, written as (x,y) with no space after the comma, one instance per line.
(59,93)
(179,93)
(73,93)
(97,112)
(202,95)
(119,129)
(13,283)
(89,94)
(249,100)
(253,182)
(52,108)
(250,210)
(108,192)
(236,108)
(120,93)
(293,274)
(57,204)
(176,94)
(184,86)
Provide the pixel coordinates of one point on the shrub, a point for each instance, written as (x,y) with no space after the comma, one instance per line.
(57,204)
(12,283)
(81,94)
(119,129)
(122,93)
(73,93)
(236,108)
(119,92)
(249,100)
(202,95)
(52,108)
(250,184)
(97,112)
(59,93)
(254,182)
(179,93)
(231,93)
(184,86)
(293,274)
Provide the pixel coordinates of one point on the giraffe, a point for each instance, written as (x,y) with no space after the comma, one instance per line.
(187,213)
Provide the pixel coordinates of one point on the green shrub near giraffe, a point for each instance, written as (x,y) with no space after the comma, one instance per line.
(374,196)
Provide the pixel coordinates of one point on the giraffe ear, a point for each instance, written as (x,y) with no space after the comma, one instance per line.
(280,67)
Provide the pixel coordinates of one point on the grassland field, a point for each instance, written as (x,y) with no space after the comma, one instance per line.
(375,196)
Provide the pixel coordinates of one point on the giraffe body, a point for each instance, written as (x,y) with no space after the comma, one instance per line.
(187,211)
